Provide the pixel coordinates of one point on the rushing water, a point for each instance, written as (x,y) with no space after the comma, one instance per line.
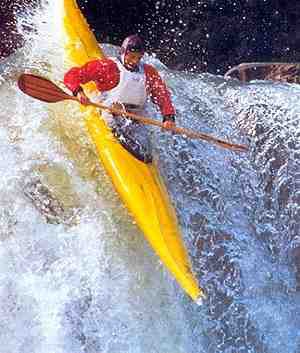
(76,273)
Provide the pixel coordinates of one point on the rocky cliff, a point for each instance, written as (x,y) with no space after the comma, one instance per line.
(198,35)
(203,35)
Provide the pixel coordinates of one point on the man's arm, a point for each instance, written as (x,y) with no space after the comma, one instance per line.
(104,73)
(160,95)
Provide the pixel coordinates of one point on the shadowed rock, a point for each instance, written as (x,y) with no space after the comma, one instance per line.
(49,206)
(202,35)
(284,72)
(11,39)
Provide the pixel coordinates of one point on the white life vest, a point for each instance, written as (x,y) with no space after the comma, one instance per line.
(131,88)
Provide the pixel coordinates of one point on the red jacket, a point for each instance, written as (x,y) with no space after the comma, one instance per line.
(105,73)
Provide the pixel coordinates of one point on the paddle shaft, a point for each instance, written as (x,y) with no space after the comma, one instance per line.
(178,130)
(45,90)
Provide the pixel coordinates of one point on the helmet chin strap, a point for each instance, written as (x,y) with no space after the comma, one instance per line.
(128,67)
(122,58)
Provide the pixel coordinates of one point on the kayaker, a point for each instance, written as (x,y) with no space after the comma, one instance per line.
(125,82)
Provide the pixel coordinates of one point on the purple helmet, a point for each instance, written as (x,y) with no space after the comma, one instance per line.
(133,43)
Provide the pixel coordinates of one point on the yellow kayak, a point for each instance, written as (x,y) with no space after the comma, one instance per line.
(138,184)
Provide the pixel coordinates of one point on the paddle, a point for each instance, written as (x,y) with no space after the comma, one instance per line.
(45,90)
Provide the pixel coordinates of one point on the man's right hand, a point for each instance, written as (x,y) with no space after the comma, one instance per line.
(83,98)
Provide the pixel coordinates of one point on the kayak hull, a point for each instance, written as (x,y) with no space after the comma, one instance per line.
(138,184)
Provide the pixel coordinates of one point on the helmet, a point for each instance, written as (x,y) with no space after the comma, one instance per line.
(133,43)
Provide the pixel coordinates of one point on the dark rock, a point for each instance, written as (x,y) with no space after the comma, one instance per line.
(11,40)
(207,35)
(48,205)
(211,35)
(284,72)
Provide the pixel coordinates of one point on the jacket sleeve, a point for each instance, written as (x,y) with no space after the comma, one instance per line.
(104,72)
(158,91)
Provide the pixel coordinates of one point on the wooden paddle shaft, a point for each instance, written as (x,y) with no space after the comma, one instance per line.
(179,130)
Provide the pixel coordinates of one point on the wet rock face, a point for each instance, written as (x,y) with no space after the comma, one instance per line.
(284,72)
(210,35)
(43,201)
(47,204)
(10,38)
(207,35)
(7,27)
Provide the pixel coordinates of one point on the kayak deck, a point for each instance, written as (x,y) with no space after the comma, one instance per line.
(138,184)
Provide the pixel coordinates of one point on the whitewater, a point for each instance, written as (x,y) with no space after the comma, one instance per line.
(77,275)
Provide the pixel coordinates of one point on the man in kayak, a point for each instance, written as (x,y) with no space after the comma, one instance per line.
(125,83)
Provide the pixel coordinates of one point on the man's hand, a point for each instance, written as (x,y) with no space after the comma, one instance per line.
(119,106)
(83,98)
(169,121)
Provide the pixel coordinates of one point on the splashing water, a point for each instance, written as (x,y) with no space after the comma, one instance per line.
(77,274)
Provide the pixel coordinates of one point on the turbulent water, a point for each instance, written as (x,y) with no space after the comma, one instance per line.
(76,273)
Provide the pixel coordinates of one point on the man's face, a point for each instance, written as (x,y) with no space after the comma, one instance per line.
(132,59)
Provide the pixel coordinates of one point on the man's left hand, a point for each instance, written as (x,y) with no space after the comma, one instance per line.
(169,121)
